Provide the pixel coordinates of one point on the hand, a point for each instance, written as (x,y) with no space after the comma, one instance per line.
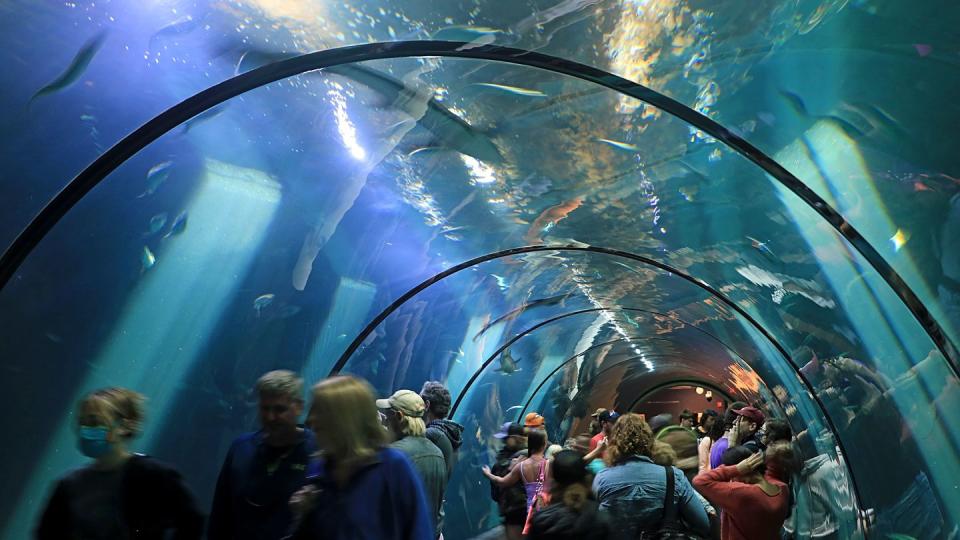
(486,471)
(302,500)
(734,436)
(602,445)
(750,464)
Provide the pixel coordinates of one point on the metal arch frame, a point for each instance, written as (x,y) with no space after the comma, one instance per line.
(659,387)
(64,200)
(493,356)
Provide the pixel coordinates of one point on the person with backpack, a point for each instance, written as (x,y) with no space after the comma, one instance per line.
(511,501)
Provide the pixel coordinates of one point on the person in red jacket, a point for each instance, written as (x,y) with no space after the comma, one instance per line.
(754,506)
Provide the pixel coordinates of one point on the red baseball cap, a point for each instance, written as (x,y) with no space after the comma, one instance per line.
(533,420)
(752,414)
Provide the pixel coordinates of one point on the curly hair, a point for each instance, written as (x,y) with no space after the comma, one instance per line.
(630,436)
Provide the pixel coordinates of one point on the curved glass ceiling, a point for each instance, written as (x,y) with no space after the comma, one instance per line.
(270,230)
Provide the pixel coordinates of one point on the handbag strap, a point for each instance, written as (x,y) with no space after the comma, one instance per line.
(669,508)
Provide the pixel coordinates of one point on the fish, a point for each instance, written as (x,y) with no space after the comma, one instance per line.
(515,90)
(147,259)
(550,217)
(508,366)
(465,33)
(156,223)
(795,103)
(156,176)
(923,49)
(76,68)
(899,239)
(261,302)
(762,247)
(88,118)
(288,311)
(451,130)
(618,144)
(183,25)
(516,312)
(202,117)
(800,108)
(179,225)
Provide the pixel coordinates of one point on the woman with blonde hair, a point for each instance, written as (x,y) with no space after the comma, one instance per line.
(120,494)
(359,488)
(638,495)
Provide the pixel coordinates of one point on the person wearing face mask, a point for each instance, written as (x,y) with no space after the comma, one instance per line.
(265,468)
(120,494)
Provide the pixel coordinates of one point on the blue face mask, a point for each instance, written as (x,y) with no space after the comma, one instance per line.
(93,441)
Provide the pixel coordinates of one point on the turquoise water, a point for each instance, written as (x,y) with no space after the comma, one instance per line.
(268,232)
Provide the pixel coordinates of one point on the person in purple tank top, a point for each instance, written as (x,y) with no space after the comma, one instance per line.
(532,471)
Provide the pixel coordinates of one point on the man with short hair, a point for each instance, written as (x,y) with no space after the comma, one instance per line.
(607,419)
(264,468)
(687,419)
(404,412)
(446,434)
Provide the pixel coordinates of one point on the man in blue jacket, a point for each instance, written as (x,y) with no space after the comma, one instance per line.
(263,469)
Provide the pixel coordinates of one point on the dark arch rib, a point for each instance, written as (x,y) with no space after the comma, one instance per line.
(528,331)
(61,203)
(588,349)
(659,387)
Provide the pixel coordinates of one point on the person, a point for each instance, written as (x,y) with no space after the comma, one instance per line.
(720,445)
(775,430)
(404,411)
(687,419)
(263,469)
(120,494)
(573,513)
(707,419)
(746,430)
(705,447)
(532,470)
(446,434)
(632,489)
(754,507)
(607,420)
(533,421)
(596,426)
(511,501)
(358,488)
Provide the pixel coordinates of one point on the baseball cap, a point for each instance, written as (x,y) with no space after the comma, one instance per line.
(509,429)
(533,420)
(406,401)
(598,412)
(752,414)
(608,416)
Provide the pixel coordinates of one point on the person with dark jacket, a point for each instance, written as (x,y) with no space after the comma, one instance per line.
(573,513)
(512,500)
(121,494)
(264,469)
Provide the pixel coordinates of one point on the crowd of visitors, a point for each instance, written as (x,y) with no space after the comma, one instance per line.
(362,467)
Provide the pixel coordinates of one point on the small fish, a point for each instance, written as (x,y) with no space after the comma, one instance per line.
(423,149)
(689,192)
(288,311)
(549,218)
(920,186)
(508,365)
(156,224)
(762,247)
(516,312)
(156,176)
(899,239)
(795,103)
(516,90)
(465,33)
(202,117)
(147,259)
(179,225)
(183,25)
(261,302)
(76,68)
(88,118)
(54,337)
(923,49)
(618,144)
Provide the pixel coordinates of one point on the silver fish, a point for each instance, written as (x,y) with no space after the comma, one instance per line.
(203,117)
(156,224)
(515,90)
(261,302)
(179,225)
(76,68)
(147,259)
(156,176)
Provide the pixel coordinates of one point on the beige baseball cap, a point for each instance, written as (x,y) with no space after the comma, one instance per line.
(406,401)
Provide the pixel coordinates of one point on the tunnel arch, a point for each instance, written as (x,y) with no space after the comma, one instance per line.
(24,243)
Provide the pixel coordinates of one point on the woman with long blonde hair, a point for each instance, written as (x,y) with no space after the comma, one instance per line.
(120,494)
(360,488)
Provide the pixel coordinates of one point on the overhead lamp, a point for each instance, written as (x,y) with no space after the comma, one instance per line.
(699,390)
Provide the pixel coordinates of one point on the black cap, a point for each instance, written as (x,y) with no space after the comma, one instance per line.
(608,416)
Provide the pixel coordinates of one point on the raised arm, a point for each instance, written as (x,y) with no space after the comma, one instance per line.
(504,481)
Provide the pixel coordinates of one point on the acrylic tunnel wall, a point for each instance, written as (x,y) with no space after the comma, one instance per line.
(770,211)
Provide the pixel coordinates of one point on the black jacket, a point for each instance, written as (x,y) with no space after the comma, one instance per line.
(559,522)
(154,500)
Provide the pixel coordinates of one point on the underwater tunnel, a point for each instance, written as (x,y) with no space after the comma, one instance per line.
(552,206)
